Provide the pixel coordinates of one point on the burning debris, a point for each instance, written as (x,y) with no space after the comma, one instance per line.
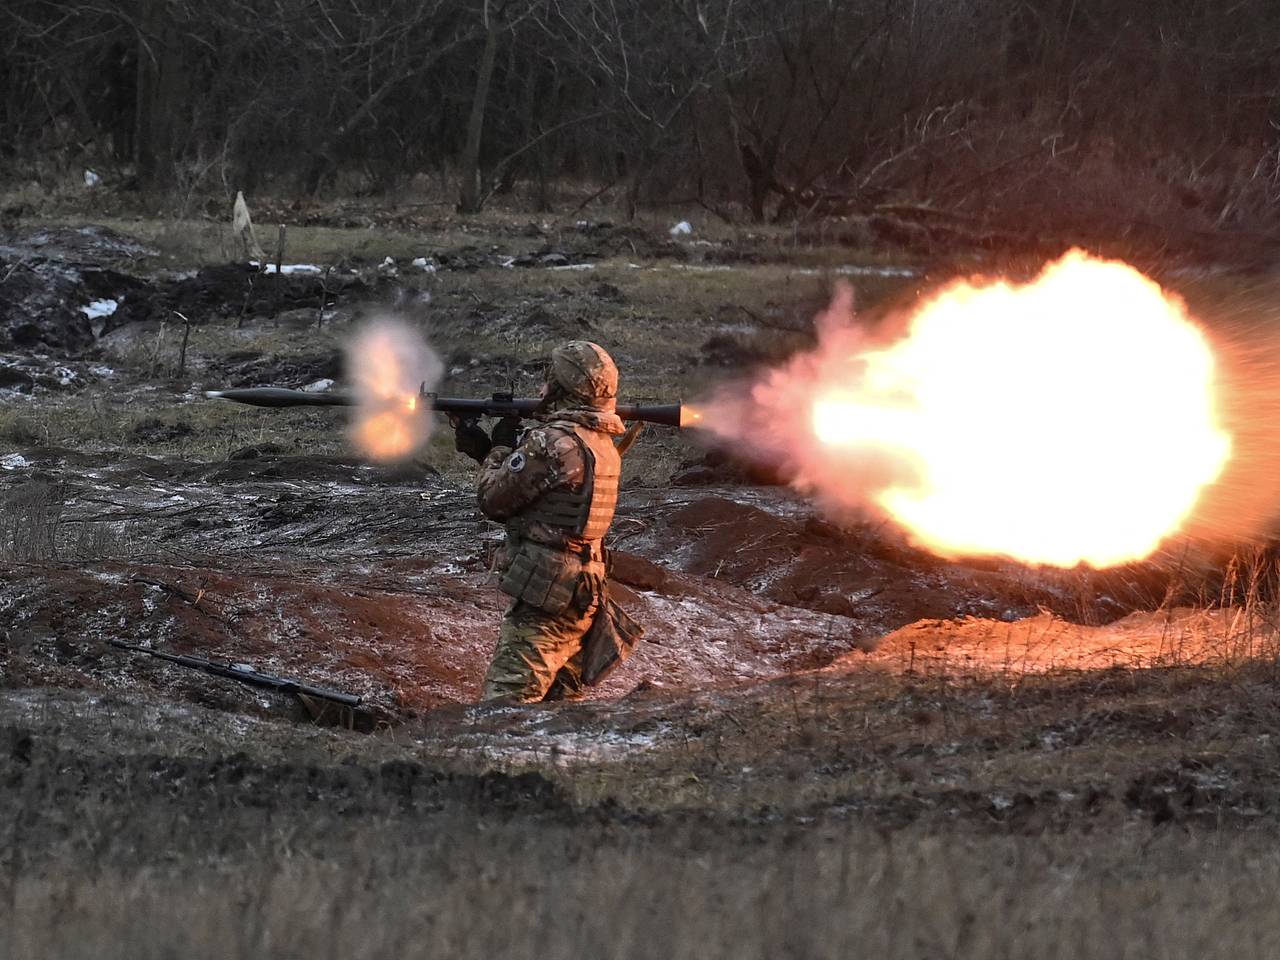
(1104,380)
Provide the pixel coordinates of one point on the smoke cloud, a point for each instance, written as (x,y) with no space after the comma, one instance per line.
(389,365)
(770,419)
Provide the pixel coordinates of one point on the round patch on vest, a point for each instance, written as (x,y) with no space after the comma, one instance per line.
(516,462)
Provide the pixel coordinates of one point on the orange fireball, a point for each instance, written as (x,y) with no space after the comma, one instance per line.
(1069,420)
(388,365)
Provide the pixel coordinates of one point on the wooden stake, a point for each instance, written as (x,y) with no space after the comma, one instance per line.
(280,241)
(324,295)
(280,250)
(244,307)
(186,335)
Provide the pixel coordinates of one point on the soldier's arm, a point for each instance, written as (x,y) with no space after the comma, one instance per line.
(511,480)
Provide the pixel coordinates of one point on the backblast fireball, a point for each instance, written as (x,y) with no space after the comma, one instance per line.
(1072,419)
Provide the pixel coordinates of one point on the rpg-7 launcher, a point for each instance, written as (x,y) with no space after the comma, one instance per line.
(498,405)
(243,673)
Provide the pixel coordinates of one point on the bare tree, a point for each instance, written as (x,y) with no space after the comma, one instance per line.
(1026,112)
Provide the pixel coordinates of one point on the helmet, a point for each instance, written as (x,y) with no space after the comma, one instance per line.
(585,373)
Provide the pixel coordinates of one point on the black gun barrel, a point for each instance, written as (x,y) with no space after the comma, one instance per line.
(666,414)
(246,674)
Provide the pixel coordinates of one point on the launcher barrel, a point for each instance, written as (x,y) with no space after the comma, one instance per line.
(499,405)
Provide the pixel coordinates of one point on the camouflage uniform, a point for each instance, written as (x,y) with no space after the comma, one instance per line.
(556,493)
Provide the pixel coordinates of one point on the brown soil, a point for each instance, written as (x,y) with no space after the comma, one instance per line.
(790,663)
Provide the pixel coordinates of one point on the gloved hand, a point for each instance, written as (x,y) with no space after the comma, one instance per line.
(506,432)
(470,439)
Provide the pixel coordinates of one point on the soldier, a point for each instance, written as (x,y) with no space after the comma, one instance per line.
(555,492)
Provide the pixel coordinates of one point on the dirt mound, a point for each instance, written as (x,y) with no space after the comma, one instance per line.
(1179,637)
(804,561)
(55,293)
(239,291)
(719,467)
(775,547)
(87,245)
(250,368)
(407,634)
(33,373)
(56,296)
(52,305)
(600,239)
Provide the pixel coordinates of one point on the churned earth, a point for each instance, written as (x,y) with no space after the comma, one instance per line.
(810,688)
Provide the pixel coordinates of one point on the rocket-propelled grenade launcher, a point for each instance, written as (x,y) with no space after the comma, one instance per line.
(498,405)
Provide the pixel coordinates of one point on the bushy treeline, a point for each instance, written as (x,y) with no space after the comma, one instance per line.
(1151,111)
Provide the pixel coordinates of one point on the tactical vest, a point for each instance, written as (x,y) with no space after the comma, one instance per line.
(551,578)
(584,513)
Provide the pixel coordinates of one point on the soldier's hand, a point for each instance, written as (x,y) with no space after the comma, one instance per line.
(470,439)
(506,432)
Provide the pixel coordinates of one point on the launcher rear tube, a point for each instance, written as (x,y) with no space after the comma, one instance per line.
(666,414)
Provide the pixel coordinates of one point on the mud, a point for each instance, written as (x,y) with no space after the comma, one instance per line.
(345,574)
(794,668)
(376,581)
(774,545)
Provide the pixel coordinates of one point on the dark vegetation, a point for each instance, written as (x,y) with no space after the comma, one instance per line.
(997,122)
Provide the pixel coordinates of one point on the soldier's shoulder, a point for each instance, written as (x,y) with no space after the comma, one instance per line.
(555,439)
(565,428)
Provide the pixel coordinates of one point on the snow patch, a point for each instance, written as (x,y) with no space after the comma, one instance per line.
(97,309)
(704,267)
(859,270)
(106,577)
(289,268)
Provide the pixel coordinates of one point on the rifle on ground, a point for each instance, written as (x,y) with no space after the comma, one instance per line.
(244,673)
(498,405)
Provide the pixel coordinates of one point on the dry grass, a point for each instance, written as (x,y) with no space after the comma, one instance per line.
(446,889)
(138,833)
(30,521)
(19,429)
(34,529)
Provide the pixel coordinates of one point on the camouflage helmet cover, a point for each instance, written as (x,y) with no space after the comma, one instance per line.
(585,372)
